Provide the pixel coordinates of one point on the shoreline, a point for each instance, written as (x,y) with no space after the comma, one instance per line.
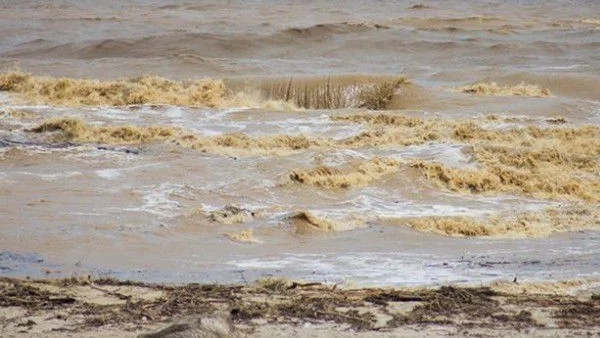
(109,307)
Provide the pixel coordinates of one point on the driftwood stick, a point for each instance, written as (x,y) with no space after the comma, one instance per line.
(108,292)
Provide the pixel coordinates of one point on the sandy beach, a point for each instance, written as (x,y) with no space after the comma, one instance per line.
(110,308)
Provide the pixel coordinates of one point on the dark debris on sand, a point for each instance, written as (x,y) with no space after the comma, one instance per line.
(293,303)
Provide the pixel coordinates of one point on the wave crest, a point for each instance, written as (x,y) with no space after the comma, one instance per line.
(528,224)
(317,92)
(492,89)
(363,173)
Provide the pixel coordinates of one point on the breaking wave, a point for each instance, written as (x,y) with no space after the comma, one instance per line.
(492,89)
(317,92)
(244,236)
(363,173)
(555,163)
(325,29)
(304,222)
(142,90)
(72,129)
(532,224)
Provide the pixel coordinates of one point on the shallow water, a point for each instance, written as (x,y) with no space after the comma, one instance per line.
(128,210)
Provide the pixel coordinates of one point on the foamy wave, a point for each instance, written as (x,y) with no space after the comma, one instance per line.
(538,224)
(54,176)
(158,201)
(364,173)
(231,214)
(304,222)
(553,163)
(372,92)
(492,89)
(244,236)
(321,30)
(556,163)
(237,143)
(142,90)
(114,173)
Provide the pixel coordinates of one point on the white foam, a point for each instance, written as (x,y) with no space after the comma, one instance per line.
(376,202)
(341,157)
(52,177)
(452,155)
(369,268)
(91,154)
(567,67)
(109,174)
(115,114)
(4,98)
(114,173)
(157,200)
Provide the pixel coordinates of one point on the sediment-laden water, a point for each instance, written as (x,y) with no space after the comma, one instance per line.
(388,143)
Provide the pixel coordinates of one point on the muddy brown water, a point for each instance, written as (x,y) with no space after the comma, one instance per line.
(130,210)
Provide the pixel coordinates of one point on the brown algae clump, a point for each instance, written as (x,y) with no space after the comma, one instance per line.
(364,173)
(492,89)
